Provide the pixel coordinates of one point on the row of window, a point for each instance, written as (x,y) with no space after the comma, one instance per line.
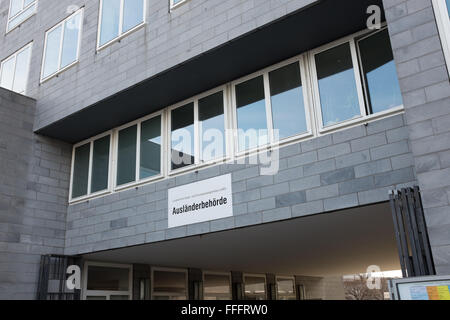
(114,282)
(63,41)
(341,84)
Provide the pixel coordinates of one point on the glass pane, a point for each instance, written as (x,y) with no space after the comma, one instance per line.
(126,159)
(107,278)
(337,85)
(150,148)
(286,289)
(448,6)
(95,297)
(212,127)
(16,6)
(216,287)
(251,114)
(288,109)
(70,42)
(109,28)
(177,1)
(21,73)
(21,17)
(27,2)
(100,164)
(81,171)
(255,288)
(169,285)
(52,52)
(122,297)
(380,72)
(133,12)
(183,136)
(7,76)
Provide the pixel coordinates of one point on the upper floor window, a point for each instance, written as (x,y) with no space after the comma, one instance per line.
(175,3)
(62,45)
(14,70)
(19,11)
(337,69)
(198,132)
(442,12)
(271,107)
(118,17)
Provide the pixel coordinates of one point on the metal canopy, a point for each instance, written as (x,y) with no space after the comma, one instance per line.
(301,31)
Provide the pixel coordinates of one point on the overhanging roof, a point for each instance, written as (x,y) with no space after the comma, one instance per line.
(303,30)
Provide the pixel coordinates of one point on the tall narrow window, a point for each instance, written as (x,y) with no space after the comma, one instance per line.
(19,11)
(118,17)
(62,45)
(251,114)
(91,167)
(212,127)
(288,108)
(380,74)
(150,161)
(337,85)
(14,70)
(81,171)
(442,13)
(182,136)
(126,155)
(100,164)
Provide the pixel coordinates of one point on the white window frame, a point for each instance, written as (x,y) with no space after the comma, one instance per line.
(120,34)
(91,141)
(285,278)
(14,56)
(174,5)
(364,116)
(257,276)
(300,59)
(227,274)
(34,3)
(443,22)
(107,294)
(175,270)
(197,139)
(137,180)
(61,42)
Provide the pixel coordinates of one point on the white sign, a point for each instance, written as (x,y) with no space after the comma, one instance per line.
(200,201)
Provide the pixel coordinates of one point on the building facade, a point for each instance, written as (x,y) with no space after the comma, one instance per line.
(110,107)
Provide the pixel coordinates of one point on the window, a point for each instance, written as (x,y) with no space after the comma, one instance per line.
(271,107)
(379,71)
(286,289)
(62,45)
(337,85)
(337,71)
(198,131)
(118,17)
(19,11)
(14,70)
(139,151)
(90,167)
(169,284)
(442,12)
(105,281)
(255,287)
(176,3)
(216,286)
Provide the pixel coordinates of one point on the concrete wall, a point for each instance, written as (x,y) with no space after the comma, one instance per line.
(34,175)
(168,39)
(425,86)
(346,169)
